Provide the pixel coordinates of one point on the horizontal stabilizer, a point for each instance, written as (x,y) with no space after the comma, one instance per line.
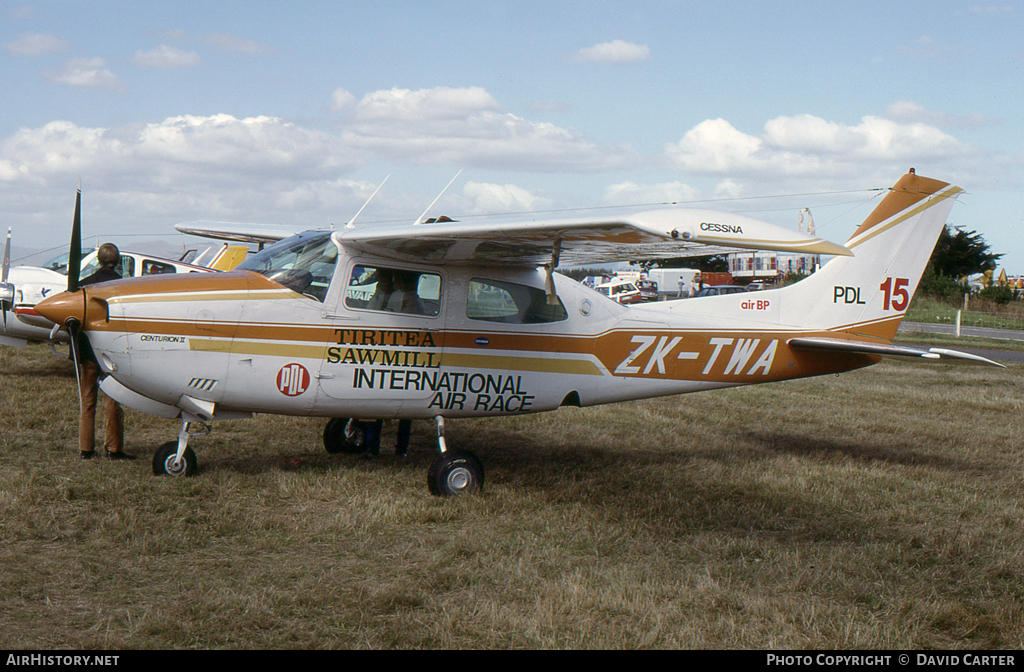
(886,350)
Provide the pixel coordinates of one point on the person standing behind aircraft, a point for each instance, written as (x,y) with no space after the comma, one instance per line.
(89,372)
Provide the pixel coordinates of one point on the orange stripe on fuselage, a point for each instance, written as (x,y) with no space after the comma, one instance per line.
(734,356)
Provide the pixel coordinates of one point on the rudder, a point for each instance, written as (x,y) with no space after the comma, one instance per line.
(869,293)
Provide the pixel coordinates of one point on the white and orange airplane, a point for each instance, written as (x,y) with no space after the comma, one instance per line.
(451,320)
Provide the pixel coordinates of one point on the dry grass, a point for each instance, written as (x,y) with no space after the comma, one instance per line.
(879,509)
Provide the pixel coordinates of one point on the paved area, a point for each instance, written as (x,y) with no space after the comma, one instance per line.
(982,332)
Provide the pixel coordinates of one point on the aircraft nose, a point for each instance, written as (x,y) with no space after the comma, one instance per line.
(63,306)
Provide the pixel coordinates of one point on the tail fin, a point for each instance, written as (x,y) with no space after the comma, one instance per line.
(869,293)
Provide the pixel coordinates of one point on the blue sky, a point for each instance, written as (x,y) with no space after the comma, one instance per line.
(293,113)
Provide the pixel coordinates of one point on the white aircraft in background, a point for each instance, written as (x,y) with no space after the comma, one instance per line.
(28,285)
(452,320)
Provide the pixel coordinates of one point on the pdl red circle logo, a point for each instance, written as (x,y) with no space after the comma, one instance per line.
(292,380)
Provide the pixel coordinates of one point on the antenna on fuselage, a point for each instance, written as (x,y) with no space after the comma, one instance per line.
(350,222)
(419,220)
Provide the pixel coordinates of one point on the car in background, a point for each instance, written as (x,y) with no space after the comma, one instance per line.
(720,290)
(623,291)
(648,290)
(757,285)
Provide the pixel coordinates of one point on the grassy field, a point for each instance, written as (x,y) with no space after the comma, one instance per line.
(877,509)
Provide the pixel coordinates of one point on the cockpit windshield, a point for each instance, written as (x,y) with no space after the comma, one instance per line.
(303,263)
(60,262)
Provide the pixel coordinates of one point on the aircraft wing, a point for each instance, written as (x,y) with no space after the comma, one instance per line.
(840,345)
(243,233)
(571,242)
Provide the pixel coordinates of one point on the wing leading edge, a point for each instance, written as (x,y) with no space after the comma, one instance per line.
(647,235)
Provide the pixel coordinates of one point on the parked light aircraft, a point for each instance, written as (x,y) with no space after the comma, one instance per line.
(28,285)
(31,284)
(454,320)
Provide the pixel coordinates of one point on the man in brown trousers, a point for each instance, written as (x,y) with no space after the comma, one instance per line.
(89,373)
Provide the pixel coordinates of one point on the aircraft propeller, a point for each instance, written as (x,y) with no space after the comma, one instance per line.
(74,270)
(6,288)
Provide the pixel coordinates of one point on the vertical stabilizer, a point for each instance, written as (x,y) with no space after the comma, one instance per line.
(869,293)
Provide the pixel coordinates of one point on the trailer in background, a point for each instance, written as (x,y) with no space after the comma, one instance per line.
(671,281)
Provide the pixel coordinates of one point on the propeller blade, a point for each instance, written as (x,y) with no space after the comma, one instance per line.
(72,324)
(6,302)
(75,253)
(7,257)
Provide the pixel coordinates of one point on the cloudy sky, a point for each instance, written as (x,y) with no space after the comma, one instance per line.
(293,113)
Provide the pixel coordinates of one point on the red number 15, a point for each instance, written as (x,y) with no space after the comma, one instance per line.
(895,294)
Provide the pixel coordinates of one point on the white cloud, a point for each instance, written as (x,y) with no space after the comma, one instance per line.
(808,147)
(144,178)
(614,52)
(905,111)
(497,198)
(467,127)
(631,193)
(341,99)
(36,44)
(87,73)
(165,57)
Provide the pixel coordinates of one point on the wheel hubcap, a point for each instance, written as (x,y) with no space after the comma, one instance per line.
(173,466)
(459,479)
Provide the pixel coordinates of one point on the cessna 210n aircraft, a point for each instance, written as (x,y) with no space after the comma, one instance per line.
(450,320)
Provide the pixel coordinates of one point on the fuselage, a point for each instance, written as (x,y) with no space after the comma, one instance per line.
(357,336)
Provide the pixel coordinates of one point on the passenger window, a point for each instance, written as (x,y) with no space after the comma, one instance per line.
(394,290)
(150,267)
(511,303)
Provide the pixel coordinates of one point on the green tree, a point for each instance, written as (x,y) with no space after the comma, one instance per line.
(960,253)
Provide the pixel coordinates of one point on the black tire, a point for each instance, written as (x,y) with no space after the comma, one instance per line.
(456,472)
(336,442)
(163,461)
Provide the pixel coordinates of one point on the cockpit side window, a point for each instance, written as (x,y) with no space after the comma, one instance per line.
(125,268)
(511,303)
(394,290)
(303,263)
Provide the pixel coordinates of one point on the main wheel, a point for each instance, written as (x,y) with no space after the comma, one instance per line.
(456,472)
(164,462)
(339,437)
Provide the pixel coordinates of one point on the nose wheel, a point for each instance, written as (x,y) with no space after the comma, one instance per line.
(166,462)
(175,458)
